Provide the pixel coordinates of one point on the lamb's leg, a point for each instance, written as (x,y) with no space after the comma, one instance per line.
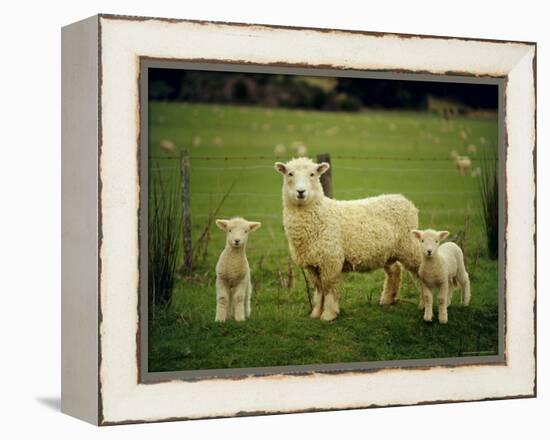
(239,301)
(248,298)
(317,294)
(222,300)
(443,299)
(392,283)
(428,302)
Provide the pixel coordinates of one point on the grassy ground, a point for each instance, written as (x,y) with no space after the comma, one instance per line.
(409,154)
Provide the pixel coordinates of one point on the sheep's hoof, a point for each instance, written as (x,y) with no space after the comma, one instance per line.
(386,300)
(329,315)
(428,320)
(443,320)
(315,313)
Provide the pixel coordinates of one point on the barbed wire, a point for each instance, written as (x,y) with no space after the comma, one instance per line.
(339,157)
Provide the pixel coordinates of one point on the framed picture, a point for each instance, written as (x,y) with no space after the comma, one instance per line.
(262,220)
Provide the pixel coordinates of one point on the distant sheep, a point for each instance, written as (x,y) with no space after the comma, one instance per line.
(327,237)
(167,146)
(233,284)
(279,150)
(472,149)
(442,268)
(462,163)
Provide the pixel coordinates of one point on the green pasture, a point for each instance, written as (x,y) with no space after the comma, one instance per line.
(373,152)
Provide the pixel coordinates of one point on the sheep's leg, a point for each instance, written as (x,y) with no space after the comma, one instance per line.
(392,283)
(428,302)
(239,301)
(317,294)
(248,298)
(443,299)
(222,300)
(331,307)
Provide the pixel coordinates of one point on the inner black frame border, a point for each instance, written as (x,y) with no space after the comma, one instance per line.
(142,336)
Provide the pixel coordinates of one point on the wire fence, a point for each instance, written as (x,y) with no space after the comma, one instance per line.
(356,187)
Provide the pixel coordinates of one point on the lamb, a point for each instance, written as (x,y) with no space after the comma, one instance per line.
(327,237)
(233,284)
(442,268)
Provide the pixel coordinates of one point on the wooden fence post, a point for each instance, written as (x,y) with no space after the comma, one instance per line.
(326,179)
(186,211)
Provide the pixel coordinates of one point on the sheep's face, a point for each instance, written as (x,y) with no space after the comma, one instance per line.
(237,230)
(301,184)
(430,240)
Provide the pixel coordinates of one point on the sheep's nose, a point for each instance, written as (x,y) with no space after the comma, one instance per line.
(237,241)
(301,192)
(429,252)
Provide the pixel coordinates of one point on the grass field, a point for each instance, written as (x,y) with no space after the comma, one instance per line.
(408,153)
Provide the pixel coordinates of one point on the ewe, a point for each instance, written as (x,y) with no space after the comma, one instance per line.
(442,268)
(233,285)
(327,237)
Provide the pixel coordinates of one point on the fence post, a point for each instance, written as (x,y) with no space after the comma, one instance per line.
(326,179)
(186,211)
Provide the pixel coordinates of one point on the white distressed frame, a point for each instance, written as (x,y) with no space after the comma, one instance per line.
(122,42)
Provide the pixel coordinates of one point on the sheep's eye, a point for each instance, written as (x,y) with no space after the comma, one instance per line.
(311,175)
(290,174)
(229,230)
(422,240)
(437,241)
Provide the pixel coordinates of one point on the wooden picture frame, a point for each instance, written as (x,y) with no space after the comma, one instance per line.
(102,182)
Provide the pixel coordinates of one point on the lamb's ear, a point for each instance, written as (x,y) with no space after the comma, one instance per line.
(222,224)
(443,235)
(323,167)
(417,233)
(281,167)
(254,225)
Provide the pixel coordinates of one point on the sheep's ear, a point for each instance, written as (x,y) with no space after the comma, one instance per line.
(254,225)
(281,167)
(443,235)
(222,224)
(417,233)
(323,167)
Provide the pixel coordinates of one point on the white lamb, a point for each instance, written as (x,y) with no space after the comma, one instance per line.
(442,268)
(327,237)
(233,284)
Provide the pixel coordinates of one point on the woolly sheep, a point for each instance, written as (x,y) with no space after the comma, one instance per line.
(327,237)
(442,268)
(233,284)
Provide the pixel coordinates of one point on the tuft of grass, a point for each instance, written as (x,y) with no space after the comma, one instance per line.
(488,188)
(165,225)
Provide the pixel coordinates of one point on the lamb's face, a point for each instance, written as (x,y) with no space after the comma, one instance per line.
(430,240)
(301,180)
(237,230)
